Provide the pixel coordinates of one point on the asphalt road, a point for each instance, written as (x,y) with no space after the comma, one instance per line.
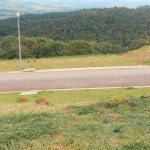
(78,78)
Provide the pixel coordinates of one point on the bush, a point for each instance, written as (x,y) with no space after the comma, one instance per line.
(108,48)
(80,47)
(50,49)
(57,48)
(136,44)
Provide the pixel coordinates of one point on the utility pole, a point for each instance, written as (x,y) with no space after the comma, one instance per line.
(19,43)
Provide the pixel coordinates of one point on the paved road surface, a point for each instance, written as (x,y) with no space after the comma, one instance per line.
(68,79)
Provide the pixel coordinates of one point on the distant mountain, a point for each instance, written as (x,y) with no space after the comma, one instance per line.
(8,8)
(95,3)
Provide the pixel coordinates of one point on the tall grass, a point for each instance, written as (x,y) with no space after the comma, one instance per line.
(24,127)
(116,123)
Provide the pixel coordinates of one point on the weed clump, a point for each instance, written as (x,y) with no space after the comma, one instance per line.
(117,101)
(135,146)
(84,110)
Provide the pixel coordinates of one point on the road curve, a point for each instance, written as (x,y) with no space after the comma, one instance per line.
(77,78)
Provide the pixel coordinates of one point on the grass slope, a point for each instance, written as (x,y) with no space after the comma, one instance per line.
(137,57)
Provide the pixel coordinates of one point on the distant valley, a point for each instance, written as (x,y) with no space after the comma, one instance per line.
(8,8)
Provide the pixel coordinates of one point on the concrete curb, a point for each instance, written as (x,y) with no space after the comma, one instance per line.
(72,69)
(74,89)
(92,68)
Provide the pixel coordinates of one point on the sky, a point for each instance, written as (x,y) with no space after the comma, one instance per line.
(48,1)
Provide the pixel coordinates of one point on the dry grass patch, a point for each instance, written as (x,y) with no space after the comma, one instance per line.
(140,53)
(11,108)
(113,142)
(6,108)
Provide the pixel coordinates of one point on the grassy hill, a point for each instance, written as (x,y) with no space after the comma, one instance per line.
(142,52)
(133,58)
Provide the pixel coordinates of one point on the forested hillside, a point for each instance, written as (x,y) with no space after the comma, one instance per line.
(112,30)
(116,25)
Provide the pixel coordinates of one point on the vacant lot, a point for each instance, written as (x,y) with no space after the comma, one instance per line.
(76,120)
(137,57)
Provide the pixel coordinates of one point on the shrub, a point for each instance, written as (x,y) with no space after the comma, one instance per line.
(80,47)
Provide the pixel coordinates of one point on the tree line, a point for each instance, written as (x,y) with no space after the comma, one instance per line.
(41,47)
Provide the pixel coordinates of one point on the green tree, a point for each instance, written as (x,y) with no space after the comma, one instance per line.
(57,48)
(44,50)
(80,47)
(117,49)
(9,47)
(104,48)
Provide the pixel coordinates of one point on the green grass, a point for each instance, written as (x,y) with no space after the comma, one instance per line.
(73,96)
(24,127)
(75,62)
(132,58)
(108,119)
(117,123)
(9,102)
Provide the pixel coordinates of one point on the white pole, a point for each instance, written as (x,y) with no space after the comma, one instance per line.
(19,43)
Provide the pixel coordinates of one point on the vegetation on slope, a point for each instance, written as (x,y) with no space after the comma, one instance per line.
(116,25)
(119,122)
(94,31)
(41,47)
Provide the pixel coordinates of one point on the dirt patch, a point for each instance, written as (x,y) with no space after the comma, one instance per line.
(23,100)
(112,116)
(41,102)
